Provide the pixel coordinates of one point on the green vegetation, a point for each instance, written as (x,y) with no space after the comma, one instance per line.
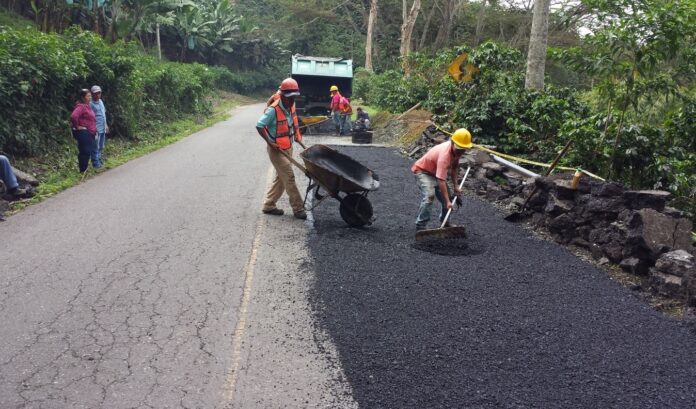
(631,118)
(41,75)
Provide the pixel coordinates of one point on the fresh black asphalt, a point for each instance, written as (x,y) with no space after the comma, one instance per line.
(514,322)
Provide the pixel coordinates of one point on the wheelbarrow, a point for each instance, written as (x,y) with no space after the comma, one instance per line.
(340,177)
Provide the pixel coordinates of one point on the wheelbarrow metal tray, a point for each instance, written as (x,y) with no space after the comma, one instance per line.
(337,171)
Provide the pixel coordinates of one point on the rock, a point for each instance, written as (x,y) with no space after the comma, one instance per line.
(614,252)
(678,263)
(605,235)
(611,205)
(492,169)
(584,232)
(666,284)
(477,157)
(517,201)
(634,266)
(513,178)
(641,199)
(563,189)
(672,212)
(556,207)
(562,225)
(538,201)
(544,183)
(603,261)
(479,185)
(538,220)
(606,189)
(653,230)
(689,284)
(577,241)
(25,178)
(480,173)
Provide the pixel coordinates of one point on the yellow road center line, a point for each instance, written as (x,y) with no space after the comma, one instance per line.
(240,329)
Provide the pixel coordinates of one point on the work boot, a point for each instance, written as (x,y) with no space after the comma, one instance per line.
(275,211)
(421,227)
(302,215)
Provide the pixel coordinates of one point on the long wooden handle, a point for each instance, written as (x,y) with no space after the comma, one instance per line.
(449,211)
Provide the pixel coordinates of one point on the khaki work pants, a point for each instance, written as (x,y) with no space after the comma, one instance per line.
(284,180)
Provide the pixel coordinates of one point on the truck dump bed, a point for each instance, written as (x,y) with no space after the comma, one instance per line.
(315,75)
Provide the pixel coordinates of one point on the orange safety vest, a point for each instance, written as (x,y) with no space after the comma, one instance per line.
(344,105)
(282,137)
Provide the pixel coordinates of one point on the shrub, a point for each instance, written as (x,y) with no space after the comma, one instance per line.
(41,75)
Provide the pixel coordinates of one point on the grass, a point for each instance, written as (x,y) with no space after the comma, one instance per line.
(58,172)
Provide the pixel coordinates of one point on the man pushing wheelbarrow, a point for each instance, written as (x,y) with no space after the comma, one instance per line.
(279,127)
(338,175)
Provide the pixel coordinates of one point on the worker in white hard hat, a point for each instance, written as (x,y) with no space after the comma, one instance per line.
(431,176)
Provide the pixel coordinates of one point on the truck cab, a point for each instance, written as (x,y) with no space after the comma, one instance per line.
(315,75)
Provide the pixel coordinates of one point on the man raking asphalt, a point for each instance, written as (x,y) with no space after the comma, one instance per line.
(443,232)
(431,176)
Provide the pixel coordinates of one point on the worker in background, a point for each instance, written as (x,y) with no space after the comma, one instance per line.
(279,127)
(362,122)
(431,175)
(335,109)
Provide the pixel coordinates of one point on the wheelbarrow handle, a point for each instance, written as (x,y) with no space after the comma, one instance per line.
(449,211)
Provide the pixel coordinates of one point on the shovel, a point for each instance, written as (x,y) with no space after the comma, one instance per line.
(445,232)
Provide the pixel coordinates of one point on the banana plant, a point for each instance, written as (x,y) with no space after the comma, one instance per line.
(222,33)
(191,25)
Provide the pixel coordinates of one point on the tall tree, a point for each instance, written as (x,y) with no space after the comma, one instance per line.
(536,55)
(426,27)
(370,32)
(409,22)
(449,13)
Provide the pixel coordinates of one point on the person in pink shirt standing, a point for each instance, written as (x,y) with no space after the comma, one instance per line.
(84,128)
(431,175)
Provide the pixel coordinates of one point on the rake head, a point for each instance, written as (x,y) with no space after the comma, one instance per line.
(443,233)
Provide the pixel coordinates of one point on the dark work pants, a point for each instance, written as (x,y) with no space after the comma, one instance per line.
(85,147)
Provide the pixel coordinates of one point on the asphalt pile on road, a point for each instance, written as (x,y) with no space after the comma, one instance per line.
(511,322)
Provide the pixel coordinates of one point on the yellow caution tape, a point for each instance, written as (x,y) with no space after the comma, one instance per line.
(523,160)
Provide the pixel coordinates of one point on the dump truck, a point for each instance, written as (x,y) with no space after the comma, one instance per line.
(315,75)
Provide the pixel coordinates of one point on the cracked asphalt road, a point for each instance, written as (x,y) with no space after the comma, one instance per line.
(160,284)
(128,291)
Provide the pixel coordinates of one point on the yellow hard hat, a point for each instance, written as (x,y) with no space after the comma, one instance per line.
(462,138)
(333,88)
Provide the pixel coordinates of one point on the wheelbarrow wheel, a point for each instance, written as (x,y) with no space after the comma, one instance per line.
(356,210)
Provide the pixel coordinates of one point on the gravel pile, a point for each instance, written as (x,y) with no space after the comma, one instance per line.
(511,322)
